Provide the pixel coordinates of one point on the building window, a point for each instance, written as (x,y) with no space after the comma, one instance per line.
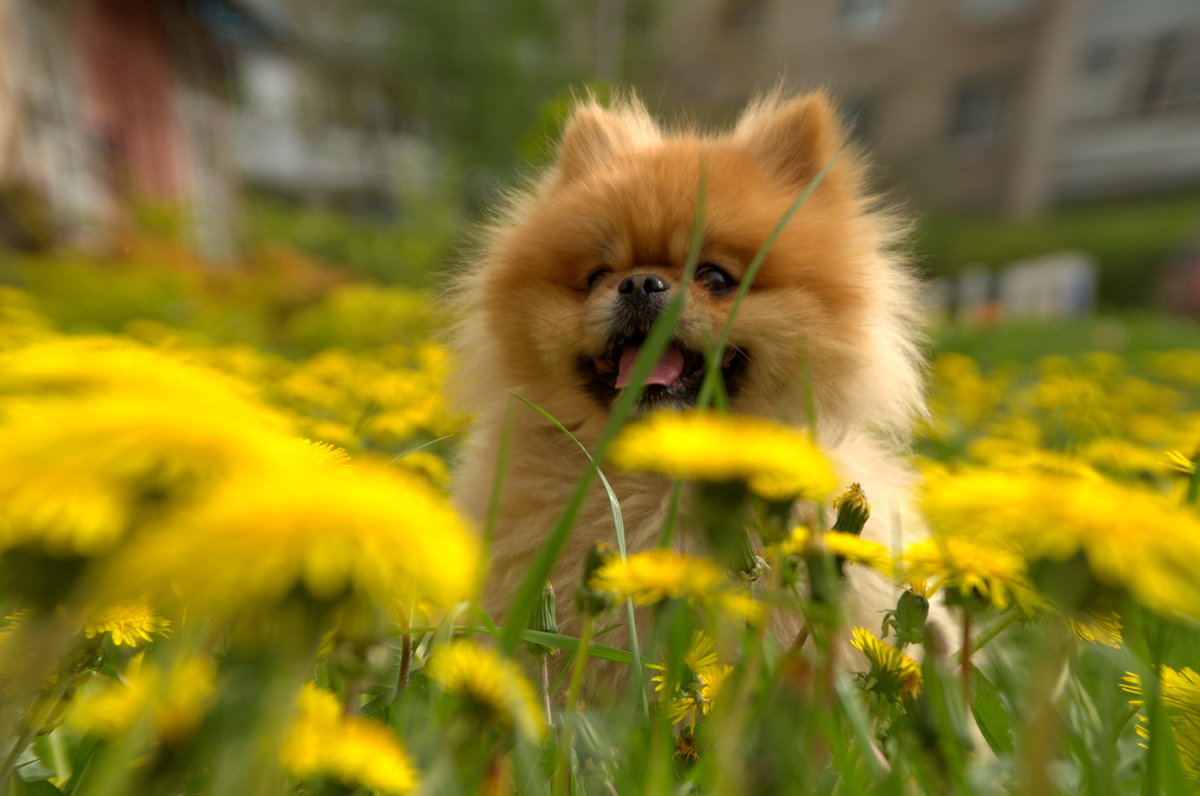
(863,18)
(1171,72)
(978,113)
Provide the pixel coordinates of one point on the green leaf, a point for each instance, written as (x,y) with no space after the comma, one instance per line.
(990,714)
(38,787)
(31,766)
(555,640)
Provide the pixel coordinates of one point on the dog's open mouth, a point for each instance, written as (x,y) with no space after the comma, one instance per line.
(674,380)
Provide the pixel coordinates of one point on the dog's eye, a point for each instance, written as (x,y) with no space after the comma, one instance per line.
(597,276)
(715,278)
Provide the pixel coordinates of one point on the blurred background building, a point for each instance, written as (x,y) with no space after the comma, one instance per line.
(390,110)
(1009,105)
(107,103)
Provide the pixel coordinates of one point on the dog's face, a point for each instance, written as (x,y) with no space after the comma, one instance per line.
(577,275)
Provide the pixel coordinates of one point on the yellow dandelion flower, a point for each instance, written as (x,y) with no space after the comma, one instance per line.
(354,750)
(1180,463)
(321,452)
(1180,690)
(128,623)
(75,475)
(1098,628)
(736,604)
(892,673)
(957,563)
(698,697)
(72,368)
(701,682)
(376,535)
(701,654)
(1182,365)
(426,464)
(1131,538)
(918,586)
(1020,457)
(655,575)
(489,681)
(174,700)
(796,543)
(857,550)
(1123,457)
(775,461)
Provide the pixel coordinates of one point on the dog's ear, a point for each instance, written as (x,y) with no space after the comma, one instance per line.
(595,136)
(794,139)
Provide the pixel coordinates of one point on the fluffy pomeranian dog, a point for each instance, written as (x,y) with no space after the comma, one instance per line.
(573,272)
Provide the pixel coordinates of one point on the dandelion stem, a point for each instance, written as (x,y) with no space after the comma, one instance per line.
(667,537)
(965,657)
(1121,722)
(350,703)
(493,509)
(562,781)
(1042,731)
(545,667)
(405,662)
(800,640)
(996,628)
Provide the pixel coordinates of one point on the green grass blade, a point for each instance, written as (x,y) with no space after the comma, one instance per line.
(420,447)
(618,523)
(667,537)
(554,640)
(493,511)
(713,370)
(652,349)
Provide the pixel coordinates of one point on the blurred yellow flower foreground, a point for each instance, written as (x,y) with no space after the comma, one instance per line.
(150,501)
(187,487)
(775,461)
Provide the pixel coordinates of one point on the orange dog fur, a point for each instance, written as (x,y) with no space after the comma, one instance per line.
(831,318)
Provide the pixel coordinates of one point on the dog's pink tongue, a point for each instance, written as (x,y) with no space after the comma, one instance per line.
(668,369)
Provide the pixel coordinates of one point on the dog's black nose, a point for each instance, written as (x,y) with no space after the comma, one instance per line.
(642,283)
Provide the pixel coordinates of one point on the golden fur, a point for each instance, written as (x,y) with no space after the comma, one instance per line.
(831,315)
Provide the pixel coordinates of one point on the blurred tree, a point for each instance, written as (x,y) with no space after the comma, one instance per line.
(471,76)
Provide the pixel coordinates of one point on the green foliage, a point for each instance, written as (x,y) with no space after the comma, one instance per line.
(1126,336)
(1129,239)
(410,251)
(274,297)
(360,317)
(469,74)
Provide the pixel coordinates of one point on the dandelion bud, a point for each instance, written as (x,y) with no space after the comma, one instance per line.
(544,619)
(853,510)
(907,620)
(588,600)
(687,752)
